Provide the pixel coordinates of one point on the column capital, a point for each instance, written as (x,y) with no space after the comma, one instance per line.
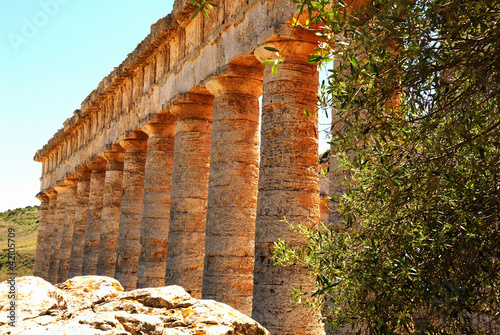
(83,172)
(42,197)
(114,153)
(237,79)
(70,180)
(230,84)
(293,49)
(51,193)
(135,140)
(159,125)
(190,106)
(97,164)
(61,187)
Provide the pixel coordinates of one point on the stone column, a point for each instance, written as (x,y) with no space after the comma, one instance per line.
(82,206)
(49,227)
(44,208)
(67,231)
(186,247)
(60,213)
(111,211)
(94,215)
(232,192)
(156,205)
(288,185)
(129,231)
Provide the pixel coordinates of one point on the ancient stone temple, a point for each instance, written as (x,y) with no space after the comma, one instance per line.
(171,172)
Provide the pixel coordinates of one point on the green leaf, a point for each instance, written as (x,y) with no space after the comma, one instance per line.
(267,62)
(271,49)
(196,12)
(359,152)
(354,62)
(274,69)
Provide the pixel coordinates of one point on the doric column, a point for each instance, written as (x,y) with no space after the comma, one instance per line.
(94,215)
(129,231)
(49,227)
(186,247)
(110,220)
(288,184)
(44,208)
(232,191)
(67,231)
(81,210)
(156,205)
(60,213)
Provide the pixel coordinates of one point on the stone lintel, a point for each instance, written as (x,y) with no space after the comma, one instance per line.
(160,32)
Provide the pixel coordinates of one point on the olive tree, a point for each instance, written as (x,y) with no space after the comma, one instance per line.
(415,90)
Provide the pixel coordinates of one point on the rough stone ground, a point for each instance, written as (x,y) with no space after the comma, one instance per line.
(91,305)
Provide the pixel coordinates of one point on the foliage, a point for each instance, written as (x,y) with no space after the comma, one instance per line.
(203,6)
(416,88)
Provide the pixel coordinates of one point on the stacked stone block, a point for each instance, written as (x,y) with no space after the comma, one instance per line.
(172,174)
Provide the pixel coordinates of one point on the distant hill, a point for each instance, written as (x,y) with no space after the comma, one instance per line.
(25,222)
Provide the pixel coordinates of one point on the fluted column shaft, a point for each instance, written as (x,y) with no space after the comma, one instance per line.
(49,230)
(81,210)
(44,208)
(156,204)
(59,216)
(67,231)
(186,247)
(129,231)
(288,186)
(111,210)
(232,192)
(94,215)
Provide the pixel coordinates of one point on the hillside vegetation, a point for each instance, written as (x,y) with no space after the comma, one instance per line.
(25,222)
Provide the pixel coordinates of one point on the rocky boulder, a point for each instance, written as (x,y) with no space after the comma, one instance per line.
(91,305)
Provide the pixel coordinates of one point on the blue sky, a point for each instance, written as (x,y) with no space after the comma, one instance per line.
(53,53)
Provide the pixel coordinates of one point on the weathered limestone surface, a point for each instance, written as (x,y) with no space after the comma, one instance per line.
(186,54)
(67,231)
(95,305)
(49,228)
(44,208)
(156,204)
(59,215)
(189,193)
(232,193)
(128,246)
(111,210)
(94,216)
(204,202)
(288,184)
(82,204)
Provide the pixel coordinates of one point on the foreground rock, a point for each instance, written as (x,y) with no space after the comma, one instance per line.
(91,305)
